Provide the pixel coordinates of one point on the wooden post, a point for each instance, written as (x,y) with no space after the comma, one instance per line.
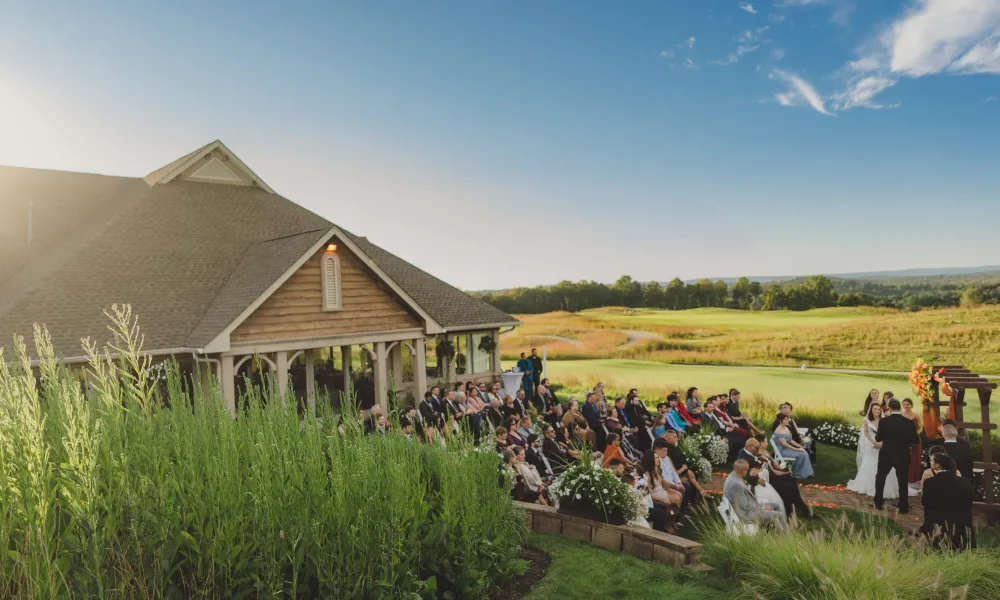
(396,366)
(381,377)
(989,476)
(958,396)
(281,365)
(228,378)
(420,369)
(497,366)
(310,383)
(345,358)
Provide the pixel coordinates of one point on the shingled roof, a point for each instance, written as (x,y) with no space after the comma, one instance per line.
(189,257)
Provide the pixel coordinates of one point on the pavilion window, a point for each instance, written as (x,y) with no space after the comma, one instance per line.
(480,359)
(332,293)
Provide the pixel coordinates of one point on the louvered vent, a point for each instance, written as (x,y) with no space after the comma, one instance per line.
(331,282)
(216,171)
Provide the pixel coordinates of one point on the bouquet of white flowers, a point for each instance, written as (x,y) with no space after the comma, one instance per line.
(712,447)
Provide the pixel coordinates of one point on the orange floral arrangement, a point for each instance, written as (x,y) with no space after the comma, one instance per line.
(920,379)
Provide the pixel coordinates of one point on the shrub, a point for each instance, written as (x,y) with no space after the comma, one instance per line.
(712,447)
(845,562)
(701,466)
(586,482)
(838,434)
(109,495)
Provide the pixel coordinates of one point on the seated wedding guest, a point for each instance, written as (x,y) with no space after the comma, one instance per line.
(719,411)
(929,472)
(502,442)
(524,427)
(790,450)
(763,466)
(621,413)
(614,451)
(947,501)
(573,416)
(375,423)
(495,392)
(682,409)
(734,435)
(545,401)
(557,455)
(520,491)
(733,409)
(638,413)
(556,415)
(429,418)
(665,485)
(520,403)
(810,447)
(493,414)
(513,437)
(679,461)
(592,414)
(532,479)
(743,502)
(509,409)
(959,451)
(535,456)
(579,446)
(674,418)
(692,401)
(602,402)
(407,430)
(661,516)
(659,426)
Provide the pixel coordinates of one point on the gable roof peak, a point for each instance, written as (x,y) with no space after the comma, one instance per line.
(212,163)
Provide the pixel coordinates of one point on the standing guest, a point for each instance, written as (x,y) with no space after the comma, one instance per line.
(591,414)
(916,450)
(733,409)
(536,369)
(782,437)
(959,451)
(947,501)
(679,461)
(869,399)
(527,379)
(744,504)
(438,402)
(693,400)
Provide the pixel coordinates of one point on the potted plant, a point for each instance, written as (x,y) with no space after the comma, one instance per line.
(445,349)
(487,344)
(589,491)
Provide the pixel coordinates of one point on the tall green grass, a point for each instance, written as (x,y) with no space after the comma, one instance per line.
(847,561)
(105,493)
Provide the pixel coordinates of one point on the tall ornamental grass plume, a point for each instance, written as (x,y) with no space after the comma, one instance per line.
(105,492)
(846,562)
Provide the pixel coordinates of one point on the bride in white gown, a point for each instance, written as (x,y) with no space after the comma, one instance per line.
(868,449)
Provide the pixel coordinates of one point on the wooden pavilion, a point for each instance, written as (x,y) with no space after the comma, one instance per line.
(225,273)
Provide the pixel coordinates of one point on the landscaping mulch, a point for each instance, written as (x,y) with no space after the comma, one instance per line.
(518,588)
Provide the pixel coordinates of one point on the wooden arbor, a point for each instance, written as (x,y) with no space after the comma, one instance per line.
(960,379)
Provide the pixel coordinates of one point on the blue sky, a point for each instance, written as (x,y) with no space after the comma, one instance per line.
(516,143)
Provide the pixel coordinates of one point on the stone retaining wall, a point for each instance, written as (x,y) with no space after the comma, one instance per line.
(641,542)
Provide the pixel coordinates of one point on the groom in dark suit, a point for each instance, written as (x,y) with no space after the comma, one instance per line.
(895,433)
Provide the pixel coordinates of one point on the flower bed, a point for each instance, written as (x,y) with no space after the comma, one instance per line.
(587,490)
(843,435)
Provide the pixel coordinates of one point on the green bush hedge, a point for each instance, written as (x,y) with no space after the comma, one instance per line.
(110,495)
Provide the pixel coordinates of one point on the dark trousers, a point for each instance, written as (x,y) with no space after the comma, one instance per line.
(788,489)
(902,466)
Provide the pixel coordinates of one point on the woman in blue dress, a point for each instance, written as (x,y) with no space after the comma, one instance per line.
(791,451)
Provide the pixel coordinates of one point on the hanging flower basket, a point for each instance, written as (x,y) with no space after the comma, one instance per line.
(487,344)
(445,349)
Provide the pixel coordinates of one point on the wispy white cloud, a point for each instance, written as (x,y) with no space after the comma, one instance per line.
(690,64)
(989,99)
(800,2)
(798,92)
(862,93)
(667,53)
(748,7)
(689,42)
(777,53)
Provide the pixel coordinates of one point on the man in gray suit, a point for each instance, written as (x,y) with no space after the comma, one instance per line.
(744,503)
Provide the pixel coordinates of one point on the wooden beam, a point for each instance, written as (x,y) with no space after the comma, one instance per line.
(983,426)
(992,466)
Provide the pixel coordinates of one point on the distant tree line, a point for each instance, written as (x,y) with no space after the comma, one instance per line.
(802,294)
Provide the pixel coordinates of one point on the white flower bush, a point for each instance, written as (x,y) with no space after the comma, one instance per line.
(702,467)
(599,488)
(843,435)
(713,447)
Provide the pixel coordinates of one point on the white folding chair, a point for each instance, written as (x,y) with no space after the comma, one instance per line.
(733,524)
(777,450)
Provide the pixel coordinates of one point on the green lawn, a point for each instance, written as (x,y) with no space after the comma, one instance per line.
(581,570)
(843,392)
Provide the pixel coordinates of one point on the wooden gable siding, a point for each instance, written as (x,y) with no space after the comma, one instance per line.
(295,310)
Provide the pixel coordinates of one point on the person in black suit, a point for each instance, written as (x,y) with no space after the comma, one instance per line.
(959,450)
(534,456)
(558,457)
(536,371)
(947,501)
(593,418)
(895,434)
